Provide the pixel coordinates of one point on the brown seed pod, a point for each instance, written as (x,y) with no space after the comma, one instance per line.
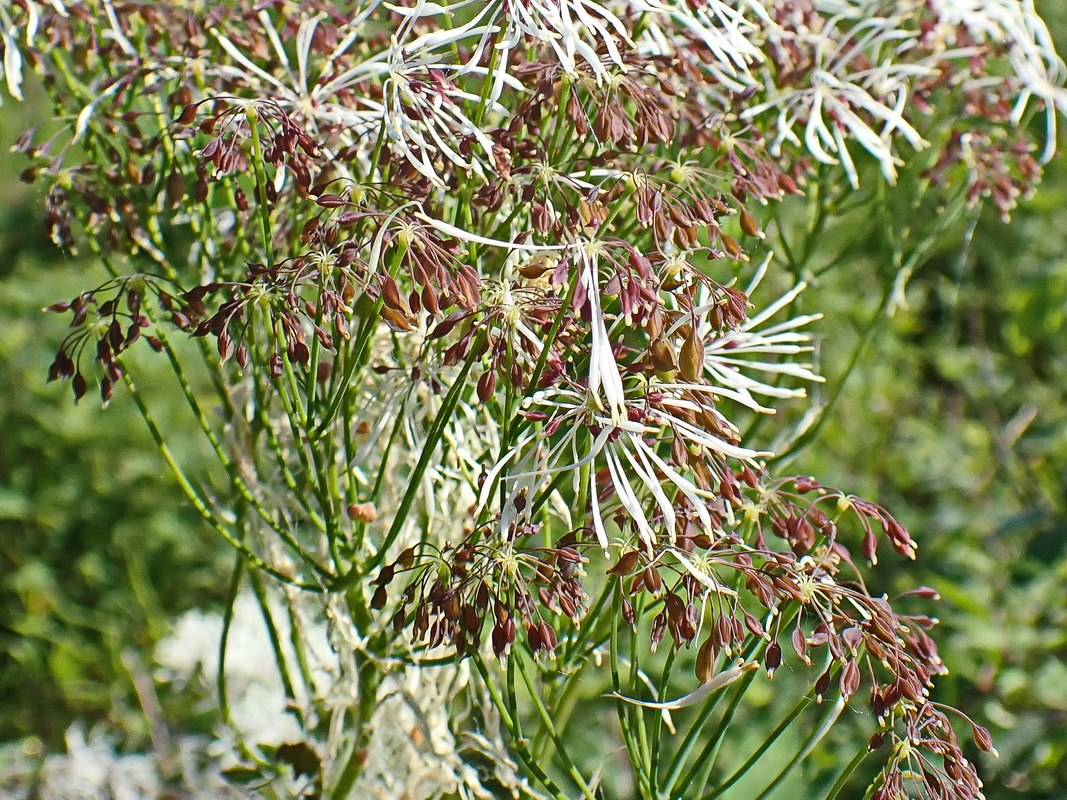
(691,361)
(486,385)
(730,245)
(705,662)
(748,223)
(626,564)
(773,659)
(662,356)
(362,512)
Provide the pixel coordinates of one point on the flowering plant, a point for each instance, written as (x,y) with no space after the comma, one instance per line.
(454,295)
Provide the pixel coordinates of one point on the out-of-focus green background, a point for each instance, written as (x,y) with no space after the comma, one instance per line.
(97,549)
(957,422)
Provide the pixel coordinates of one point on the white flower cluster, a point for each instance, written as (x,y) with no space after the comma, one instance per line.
(419,750)
(416,751)
(858,61)
(92,768)
(848,76)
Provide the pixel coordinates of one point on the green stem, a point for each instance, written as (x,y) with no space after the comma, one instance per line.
(275,642)
(657,725)
(298,640)
(261,183)
(311,381)
(231,468)
(358,351)
(550,728)
(621,707)
(561,115)
(557,323)
(846,773)
(508,717)
(198,503)
(369,676)
(228,465)
(644,755)
(220,677)
(711,747)
(760,751)
(805,749)
(444,416)
(691,737)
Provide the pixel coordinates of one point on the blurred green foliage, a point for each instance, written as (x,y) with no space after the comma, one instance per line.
(97,549)
(957,422)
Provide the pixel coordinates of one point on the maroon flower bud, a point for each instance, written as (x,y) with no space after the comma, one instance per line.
(377,601)
(626,564)
(773,658)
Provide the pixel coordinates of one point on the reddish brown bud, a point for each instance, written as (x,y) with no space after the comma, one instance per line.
(983,739)
(773,659)
(532,270)
(730,245)
(705,662)
(188,115)
(175,188)
(692,358)
(79,385)
(823,683)
(331,201)
(788,185)
(800,645)
(471,621)
(548,636)
(850,679)
(626,564)
(754,625)
(451,606)
(533,638)
(385,577)
(653,582)
(628,613)
(362,512)
(503,636)
(486,385)
(659,627)
(396,320)
(662,356)
(377,602)
(748,223)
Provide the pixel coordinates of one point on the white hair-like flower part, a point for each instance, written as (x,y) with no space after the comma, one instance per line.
(421,110)
(615,428)
(733,359)
(730,31)
(415,750)
(855,83)
(581,436)
(1016,25)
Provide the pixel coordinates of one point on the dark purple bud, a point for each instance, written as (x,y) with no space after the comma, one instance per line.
(773,659)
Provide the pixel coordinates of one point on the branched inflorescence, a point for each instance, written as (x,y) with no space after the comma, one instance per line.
(471,272)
